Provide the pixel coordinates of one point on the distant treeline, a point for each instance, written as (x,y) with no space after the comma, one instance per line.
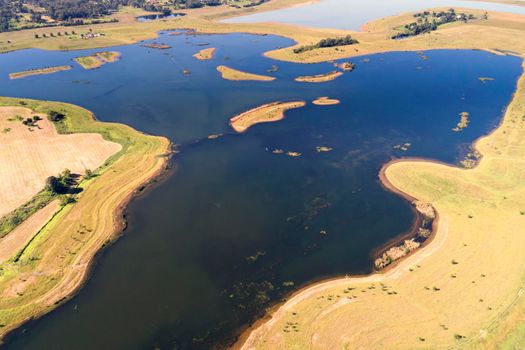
(329,42)
(78,12)
(430,21)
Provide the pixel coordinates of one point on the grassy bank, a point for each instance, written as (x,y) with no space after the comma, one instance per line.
(63,250)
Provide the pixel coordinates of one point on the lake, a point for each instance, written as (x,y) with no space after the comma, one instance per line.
(352,14)
(236,227)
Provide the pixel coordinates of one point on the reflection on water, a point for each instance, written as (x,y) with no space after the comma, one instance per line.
(148,18)
(239,226)
(352,14)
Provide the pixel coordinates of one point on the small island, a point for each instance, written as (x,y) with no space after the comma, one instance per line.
(267,113)
(98,59)
(325,101)
(463,122)
(238,75)
(205,54)
(157,46)
(38,71)
(319,78)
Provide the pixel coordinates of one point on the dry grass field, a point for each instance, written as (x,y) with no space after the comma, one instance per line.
(63,250)
(31,154)
(238,75)
(268,113)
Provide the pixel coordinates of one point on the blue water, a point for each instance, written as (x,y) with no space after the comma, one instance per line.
(181,277)
(352,14)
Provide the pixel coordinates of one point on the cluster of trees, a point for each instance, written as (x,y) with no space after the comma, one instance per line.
(427,22)
(62,183)
(56,117)
(31,121)
(329,42)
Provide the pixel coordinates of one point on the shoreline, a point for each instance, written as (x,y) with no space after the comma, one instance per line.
(432,242)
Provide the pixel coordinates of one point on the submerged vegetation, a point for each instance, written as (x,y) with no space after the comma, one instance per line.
(329,42)
(429,21)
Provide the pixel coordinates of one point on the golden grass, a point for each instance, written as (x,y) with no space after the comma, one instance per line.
(98,59)
(31,154)
(464,290)
(38,71)
(63,250)
(325,101)
(267,113)
(238,75)
(319,78)
(205,54)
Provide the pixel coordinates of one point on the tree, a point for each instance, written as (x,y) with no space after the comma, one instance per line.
(55,116)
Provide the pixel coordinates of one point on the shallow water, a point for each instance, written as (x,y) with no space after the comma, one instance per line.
(213,245)
(352,14)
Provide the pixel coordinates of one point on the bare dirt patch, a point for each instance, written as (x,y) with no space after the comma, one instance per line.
(31,154)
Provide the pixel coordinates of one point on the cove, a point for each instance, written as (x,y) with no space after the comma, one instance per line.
(236,227)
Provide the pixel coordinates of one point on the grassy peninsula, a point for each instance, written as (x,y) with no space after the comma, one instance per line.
(63,249)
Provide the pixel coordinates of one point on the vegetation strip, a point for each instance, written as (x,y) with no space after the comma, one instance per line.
(38,71)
